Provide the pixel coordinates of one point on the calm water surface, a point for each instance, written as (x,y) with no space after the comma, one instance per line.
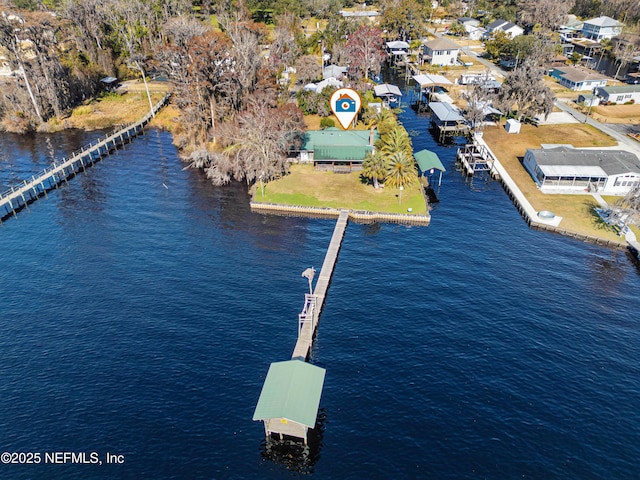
(141,308)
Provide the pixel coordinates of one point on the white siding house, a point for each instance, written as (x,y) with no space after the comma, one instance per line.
(565,169)
(578,79)
(472,28)
(621,95)
(600,28)
(500,25)
(440,52)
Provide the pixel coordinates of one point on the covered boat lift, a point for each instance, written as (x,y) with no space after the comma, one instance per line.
(390,93)
(426,82)
(290,397)
(448,119)
(429,162)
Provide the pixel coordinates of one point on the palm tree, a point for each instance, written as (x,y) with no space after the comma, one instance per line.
(374,167)
(401,170)
(383,121)
(396,140)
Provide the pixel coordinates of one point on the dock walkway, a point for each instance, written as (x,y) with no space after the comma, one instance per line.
(20,195)
(308,319)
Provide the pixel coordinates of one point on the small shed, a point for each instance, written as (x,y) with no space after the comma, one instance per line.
(513,126)
(588,100)
(290,397)
(110,83)
(428,163)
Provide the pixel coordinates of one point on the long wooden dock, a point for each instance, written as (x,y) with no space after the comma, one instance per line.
(308,318)
(20,195)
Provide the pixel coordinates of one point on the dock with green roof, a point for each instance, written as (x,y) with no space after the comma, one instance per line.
(290,397)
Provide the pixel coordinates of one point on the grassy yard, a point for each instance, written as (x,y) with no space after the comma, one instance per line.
(308,187)
(115,109)
(576,210)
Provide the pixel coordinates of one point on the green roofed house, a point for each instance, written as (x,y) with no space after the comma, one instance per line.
(336,149)
(428,163)
(290,397)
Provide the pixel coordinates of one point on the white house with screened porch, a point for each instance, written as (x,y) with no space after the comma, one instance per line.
(565,169)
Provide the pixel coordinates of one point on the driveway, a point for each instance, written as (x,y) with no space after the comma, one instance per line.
(616,130)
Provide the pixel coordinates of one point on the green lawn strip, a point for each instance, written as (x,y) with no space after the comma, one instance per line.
(577,211)
(306,187)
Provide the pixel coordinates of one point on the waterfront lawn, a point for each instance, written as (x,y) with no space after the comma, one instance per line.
(310,188)
(112,109)
(576,210)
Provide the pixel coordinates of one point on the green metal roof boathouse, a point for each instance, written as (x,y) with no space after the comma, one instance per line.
(290,397)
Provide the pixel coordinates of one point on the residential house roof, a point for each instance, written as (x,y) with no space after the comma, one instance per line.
(291,391)
(427,160)
(469,21)
(567,160)
(578,75)
(335,71)
(604,21)
(620,89)
(441,44)
(336,144)
(502,25)
(359,13)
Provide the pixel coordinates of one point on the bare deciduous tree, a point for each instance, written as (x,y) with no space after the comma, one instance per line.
(256,144)
(626,211)
(479,97)
(365,51)
(308,69)
(284,49)
(524,90)
(548,14)
(245,52)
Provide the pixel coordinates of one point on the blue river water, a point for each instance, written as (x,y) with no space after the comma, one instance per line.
(141,308)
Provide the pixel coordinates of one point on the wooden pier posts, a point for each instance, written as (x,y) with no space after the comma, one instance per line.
(308,318)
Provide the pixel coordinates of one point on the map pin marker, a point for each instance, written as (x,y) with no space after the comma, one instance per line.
(345,105)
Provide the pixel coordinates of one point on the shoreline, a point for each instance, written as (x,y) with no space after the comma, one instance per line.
(365,216)
(359,216)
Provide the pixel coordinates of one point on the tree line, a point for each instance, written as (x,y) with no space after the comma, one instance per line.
(237,118)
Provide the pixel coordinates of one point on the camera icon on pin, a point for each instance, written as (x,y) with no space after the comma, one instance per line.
(345,104)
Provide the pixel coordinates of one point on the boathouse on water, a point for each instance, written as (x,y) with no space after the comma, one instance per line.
(290,397)
(428,162)
(448,119)
(389,93)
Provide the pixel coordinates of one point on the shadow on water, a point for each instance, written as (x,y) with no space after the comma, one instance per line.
(228,207)
(293,454)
